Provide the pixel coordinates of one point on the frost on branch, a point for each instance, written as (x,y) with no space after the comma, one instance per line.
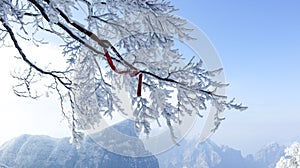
(138,36)
(291,158)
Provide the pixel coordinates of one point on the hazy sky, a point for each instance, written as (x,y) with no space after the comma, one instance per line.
(258,42)
(21,115)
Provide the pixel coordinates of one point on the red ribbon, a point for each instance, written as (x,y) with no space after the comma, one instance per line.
(139,88)
(132,74)
(110,62)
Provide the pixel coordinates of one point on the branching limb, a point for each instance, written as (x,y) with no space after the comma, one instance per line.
(63,80)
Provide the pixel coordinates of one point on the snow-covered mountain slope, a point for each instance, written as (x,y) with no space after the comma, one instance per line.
(30,151)
(43,151)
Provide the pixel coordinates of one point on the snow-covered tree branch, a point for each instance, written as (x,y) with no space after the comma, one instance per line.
(291,158)
(130,42)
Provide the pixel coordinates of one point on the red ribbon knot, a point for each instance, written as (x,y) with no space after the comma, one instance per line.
(131,74)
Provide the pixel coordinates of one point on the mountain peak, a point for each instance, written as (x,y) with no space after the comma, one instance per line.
(44,151)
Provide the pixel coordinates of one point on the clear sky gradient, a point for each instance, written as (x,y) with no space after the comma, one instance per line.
(259,44)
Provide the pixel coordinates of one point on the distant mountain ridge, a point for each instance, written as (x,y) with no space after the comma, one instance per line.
(266,155)
(33,151)
(210,155)
(37,151)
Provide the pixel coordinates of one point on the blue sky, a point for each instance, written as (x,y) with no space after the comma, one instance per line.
(259,45)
